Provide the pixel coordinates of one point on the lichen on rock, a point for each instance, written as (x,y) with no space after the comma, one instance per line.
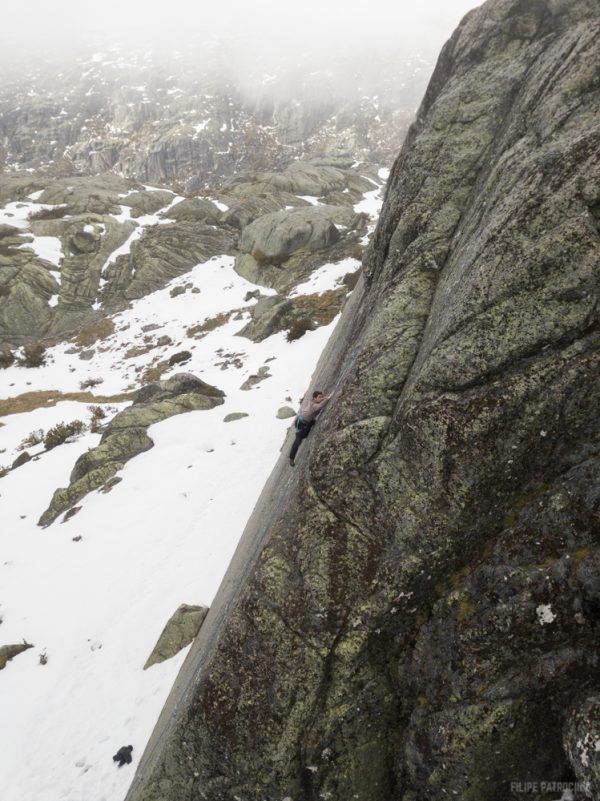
(181,628)
(386,643)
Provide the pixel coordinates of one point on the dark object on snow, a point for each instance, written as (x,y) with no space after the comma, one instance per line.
(123,755)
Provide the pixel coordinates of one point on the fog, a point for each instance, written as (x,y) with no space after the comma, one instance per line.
(273,30)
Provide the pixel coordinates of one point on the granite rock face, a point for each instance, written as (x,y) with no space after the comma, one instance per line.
(420,621)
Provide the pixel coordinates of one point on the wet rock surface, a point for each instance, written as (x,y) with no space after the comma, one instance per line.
(419,622)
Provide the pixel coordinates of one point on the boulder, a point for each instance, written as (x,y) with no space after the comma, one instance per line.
(230,418)
(22,459)
(84,242)
(285,412)
(180,357)
(295,315)
(256,378)
(195,209)
(101,194)
(179,632)
(272,238)
(8,230)
(246,204)
(148,202)
(270,315)
(282,249)
(163,253)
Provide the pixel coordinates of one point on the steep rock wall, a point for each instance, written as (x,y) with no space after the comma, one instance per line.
(419,616)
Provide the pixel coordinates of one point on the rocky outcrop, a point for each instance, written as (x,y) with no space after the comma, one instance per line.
(294,315)
(274,237)
(8,652)
(415,624)
(126,436)
(269,315)
(181,628)
(172,119)
(115,241)
(163,253)
(91,219)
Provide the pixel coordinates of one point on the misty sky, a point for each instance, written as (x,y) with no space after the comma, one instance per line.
(283,26)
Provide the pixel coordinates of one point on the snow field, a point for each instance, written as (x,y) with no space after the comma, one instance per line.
(163,536)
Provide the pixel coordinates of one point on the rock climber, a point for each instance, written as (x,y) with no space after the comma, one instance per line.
(306,419)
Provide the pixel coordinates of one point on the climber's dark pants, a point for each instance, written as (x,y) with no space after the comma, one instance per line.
(302,432)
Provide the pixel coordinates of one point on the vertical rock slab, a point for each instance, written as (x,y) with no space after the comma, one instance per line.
(406,617)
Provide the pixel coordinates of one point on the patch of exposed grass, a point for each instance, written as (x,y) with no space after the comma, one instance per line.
(321,308)
(198,331)
(350,280)
(137,350)
(92,332)
(263,260)
(357,251)
(7,357)
(61,432)
(152,374)
(89,383)
(48,214)
(34,355)
(298,328)
(29,401)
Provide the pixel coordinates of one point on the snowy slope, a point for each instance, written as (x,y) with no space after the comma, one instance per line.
(96,605)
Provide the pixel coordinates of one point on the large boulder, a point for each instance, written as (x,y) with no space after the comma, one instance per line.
(249,200)
(283,248)
(410,621)
(180,630)
(195,209)
(294,315)
(269,315)
(274,237)
(126,435)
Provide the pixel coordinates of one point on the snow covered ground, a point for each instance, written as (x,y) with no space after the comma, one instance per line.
(92,594)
